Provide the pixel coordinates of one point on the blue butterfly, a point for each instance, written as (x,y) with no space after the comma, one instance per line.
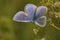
(33,14)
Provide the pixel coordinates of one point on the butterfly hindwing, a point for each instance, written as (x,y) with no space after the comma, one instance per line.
(21,17)
(41,21)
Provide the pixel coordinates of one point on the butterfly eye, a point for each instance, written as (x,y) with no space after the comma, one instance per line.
(42,10)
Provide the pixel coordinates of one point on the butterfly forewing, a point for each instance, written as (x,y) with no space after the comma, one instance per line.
(41,11)
(30,10)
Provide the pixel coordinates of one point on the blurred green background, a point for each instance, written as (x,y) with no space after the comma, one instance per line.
(11,30)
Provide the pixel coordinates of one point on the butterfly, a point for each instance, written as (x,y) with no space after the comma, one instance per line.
(32,14)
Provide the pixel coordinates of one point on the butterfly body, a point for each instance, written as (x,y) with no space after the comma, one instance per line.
(32,14)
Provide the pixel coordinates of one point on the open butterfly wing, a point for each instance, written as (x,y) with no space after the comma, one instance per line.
(41,21)
(41,11)
(26,16)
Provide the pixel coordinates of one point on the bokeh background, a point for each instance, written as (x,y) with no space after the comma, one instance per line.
(11,30)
